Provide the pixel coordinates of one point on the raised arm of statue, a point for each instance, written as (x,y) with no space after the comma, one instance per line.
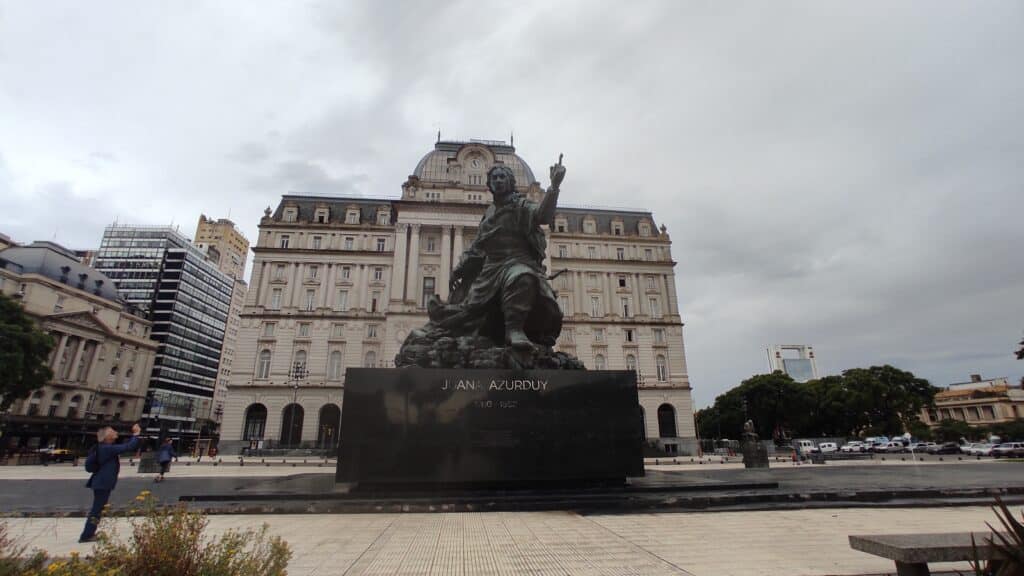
(546,209)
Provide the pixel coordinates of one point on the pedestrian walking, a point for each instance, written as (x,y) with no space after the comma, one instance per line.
(104,463)
(164,457)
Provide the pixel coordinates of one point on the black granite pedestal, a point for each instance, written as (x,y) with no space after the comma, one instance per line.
(419,426)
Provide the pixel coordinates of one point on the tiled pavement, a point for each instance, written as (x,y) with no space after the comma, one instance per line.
(790,543)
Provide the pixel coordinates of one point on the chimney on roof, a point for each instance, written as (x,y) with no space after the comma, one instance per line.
(975,377)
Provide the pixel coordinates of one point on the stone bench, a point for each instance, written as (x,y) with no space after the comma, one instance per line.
(913,552)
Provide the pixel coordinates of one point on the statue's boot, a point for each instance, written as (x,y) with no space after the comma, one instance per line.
(516,303)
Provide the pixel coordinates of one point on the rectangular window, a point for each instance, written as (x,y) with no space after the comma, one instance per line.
(349,242)
(651,283)
(275,299)
(342,303)
(595,307)
(303,329)
(563,304)
(382,218)
(560,226)
(374,301)
(592,251)
(568,336)
(268,329)
(626,312)
(648,254)
(620,253)
(378,274)
(592,278)
(588,226)
(310,301)
(284,240)
(279,272)
(599,335)
(338,331)
(989,412)
(352,217)
(321,216)
(429,288)
(431,244)
(346,272)
(622,281)
(659,336)
(314,271)
(371,330)
(563,251)
(617,229)
(381,243)
(316,242)
(629,334)
(655,307)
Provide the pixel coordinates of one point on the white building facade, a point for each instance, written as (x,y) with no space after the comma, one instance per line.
(340,282)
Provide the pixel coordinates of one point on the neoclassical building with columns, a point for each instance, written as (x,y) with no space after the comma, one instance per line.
(340,282)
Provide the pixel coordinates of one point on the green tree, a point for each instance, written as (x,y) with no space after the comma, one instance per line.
(1020,351)
(24,352)
(886,400)
(952,431)
(775,403)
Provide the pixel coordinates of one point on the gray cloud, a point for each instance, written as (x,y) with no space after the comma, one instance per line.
(845,175)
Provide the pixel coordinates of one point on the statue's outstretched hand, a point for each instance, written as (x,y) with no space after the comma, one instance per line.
(557,175)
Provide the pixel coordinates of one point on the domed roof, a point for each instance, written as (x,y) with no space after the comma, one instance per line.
(445,163)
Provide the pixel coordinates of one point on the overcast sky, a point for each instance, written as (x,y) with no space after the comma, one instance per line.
(846,175)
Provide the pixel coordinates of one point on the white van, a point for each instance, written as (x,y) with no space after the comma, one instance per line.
(804,448)
(828,447)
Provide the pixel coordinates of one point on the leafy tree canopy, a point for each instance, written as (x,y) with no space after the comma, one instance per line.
(875,400)
(24,354)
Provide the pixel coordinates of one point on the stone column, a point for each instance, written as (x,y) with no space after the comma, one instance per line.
(398,269)
(90,367)
(671,300)
(295,285)
(324,284)
(458,248)
(579,293)
(610,306)
(330,284)
(446,261)
(73,373)
(259,274)
(358,287)
(364,299)
(638,295)
(55,365)
(412,277)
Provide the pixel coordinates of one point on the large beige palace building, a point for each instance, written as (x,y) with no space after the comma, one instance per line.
(340,282)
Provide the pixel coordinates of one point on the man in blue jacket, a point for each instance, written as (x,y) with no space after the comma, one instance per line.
(106,460)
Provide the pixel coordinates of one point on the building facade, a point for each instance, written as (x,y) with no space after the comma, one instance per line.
(979,402)
(228,249)
(796,360)
(340,282)
(188,300)
(102,356)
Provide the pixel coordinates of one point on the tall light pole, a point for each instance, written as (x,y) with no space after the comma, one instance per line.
(297,373)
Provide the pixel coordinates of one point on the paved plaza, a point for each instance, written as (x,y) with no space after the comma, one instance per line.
(768,543)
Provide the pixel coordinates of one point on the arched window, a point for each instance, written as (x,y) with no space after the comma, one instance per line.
(599,362)
(128,378)
(370,361)
(119,410)
(73,405)
(112,376)
(630,362)
(666,421)
(334,366)
(291,425)
(300,360)
(263,365)
(55,403)
(34,402)
(255,422)
(659,363)
(330,424)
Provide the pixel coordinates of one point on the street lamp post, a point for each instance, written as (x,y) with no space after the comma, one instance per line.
(297,373)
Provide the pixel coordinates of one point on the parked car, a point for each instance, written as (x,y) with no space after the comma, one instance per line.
(919,447)
(945,448)
(878,446)
(56,454)
(1008,449)
(894,446)
(853,446)
(966,448)
(981,449)
(828,447)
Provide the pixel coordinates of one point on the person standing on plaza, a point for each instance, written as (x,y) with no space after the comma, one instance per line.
(104,462)
(164,457)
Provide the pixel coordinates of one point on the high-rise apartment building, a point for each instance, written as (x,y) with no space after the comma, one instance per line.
(340,282)
(188,299)
(228,248)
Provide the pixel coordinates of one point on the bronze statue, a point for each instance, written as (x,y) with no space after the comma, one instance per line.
(502,311)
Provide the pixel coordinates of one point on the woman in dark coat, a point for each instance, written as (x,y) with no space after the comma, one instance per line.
(164,457)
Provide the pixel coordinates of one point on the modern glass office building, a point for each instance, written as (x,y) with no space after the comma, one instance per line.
(160,272)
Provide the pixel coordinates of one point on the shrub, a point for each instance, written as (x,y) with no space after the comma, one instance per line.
(14,559)
(1008,543)
(164,541)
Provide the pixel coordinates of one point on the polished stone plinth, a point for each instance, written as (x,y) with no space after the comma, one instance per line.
(426,426)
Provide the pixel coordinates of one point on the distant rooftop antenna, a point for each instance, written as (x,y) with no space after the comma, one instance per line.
(438,134)
(512,139)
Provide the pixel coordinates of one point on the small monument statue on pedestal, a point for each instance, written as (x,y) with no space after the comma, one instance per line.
(755,455)
(502,311)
